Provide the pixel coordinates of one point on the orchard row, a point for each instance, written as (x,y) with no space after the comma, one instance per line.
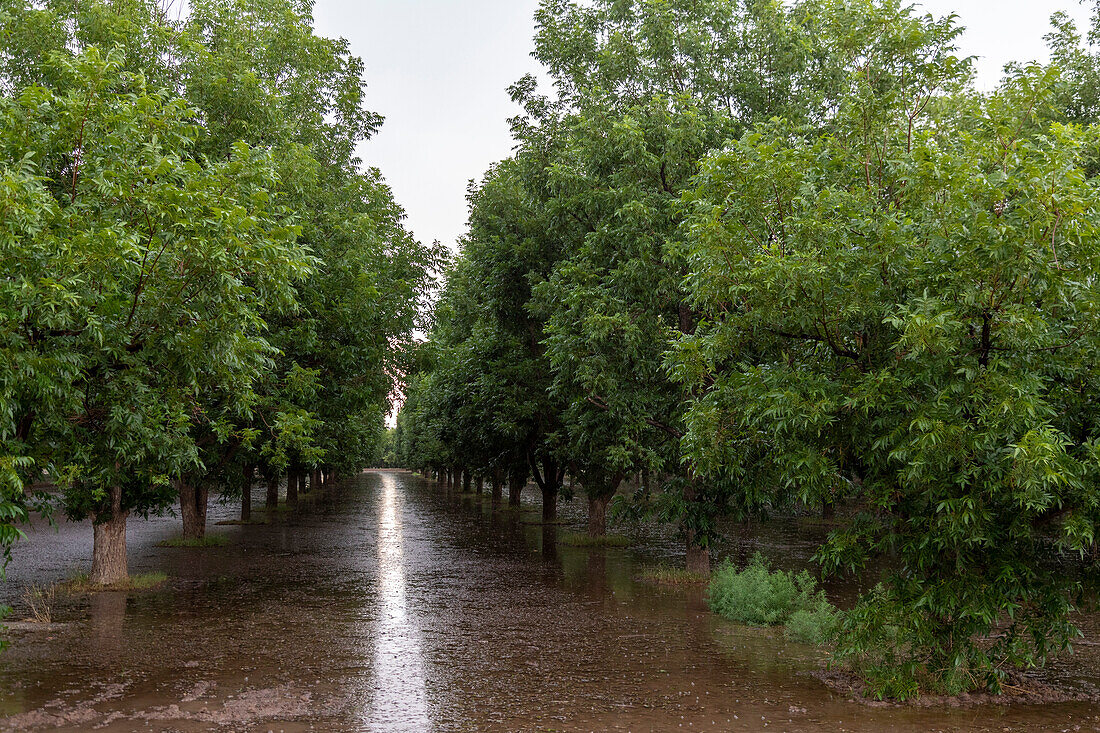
(777,256)
(202,284)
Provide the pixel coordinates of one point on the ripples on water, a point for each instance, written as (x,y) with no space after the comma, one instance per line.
(388,605)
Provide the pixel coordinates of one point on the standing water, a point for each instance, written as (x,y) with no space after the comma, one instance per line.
(389,605)
(398,701)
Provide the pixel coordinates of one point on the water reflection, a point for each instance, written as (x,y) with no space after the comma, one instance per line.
(106,615)
(399,700)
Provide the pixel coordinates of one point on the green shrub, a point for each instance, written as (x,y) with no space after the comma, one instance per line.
(760,597)
(879,641)
(818,626)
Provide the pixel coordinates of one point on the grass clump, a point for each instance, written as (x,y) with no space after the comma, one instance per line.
(583,539)
(79,582)
(39,600)
(5,611)
(210,540)
(145,581)
(668,575)
(758,596)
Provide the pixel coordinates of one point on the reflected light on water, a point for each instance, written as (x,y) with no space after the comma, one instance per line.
(399,700)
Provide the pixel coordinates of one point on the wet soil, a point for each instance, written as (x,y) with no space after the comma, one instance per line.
(389,605)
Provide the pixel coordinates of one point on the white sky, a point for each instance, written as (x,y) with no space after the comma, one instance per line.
(439,71)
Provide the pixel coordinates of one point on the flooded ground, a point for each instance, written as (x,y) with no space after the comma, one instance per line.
(388,605)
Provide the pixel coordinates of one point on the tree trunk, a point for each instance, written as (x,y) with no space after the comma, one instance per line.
(109,544)
(192,509)
(272,492)
(315,480)
(516,481)
(466,481)
(496,485)
(246,492)
(302,488)
(698,558)
(550,502)
(292,487)
(597,515)
(106,618)
(596,567)
(550,542)
(480,486)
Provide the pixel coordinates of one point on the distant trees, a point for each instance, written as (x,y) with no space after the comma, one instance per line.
(484,404)
(200,279)
(781,255)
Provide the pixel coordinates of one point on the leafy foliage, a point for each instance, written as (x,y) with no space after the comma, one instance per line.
(902,310)
(816,626)
(761,597)
(199,271)
(140,276)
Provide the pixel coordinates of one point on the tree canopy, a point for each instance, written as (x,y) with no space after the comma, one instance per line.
(199,270)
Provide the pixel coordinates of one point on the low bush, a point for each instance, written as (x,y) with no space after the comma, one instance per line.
(761,597)
(817,627)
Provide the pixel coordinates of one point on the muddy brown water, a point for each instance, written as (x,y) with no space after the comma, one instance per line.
(388,605)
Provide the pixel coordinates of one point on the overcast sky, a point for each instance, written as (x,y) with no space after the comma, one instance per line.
(439,71)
